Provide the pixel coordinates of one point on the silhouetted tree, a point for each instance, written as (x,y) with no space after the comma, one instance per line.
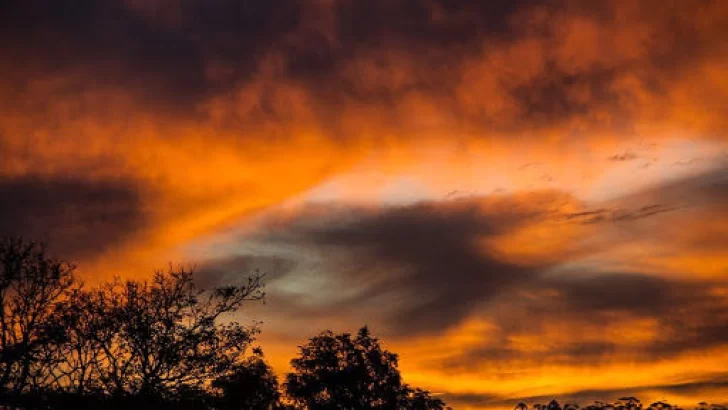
(72,365)
(553,405)
(161,338)
(418,399)
(250,386)
(628,403)
(32,285)
(336,371)
(145,344)
(624,403)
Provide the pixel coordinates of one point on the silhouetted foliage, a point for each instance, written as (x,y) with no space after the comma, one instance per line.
(32,285)
(418,399)
(623,403)
(161,343)
(161,337)
(338,371)
(250,386)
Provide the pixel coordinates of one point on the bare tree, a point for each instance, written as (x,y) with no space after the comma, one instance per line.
(70,365)
(32,285)
(162,337)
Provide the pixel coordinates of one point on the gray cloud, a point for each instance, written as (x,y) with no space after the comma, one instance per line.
(428,255)
(415,269)
(76,218)
(231,270)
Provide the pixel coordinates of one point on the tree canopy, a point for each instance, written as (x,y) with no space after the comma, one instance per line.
(341,371)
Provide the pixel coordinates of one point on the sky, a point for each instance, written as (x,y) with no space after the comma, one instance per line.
(523,199)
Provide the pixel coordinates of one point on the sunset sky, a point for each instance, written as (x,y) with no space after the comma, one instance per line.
(523,199)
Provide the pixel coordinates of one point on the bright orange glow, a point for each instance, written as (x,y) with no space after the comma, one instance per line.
(584,138)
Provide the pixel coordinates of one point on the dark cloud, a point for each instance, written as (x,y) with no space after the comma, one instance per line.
(686,316)
(625,156)
(617,215)
(182,53)
(160,51)
(428,256)
(556,95)
(587,293)
(708,188)
(641,212)
(76,218)
(232,270)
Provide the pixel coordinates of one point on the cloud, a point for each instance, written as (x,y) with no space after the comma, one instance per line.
(617,215)
(564,64)
(75,217)
(626,156)
(230,270)
(434,264)
(428,256)
(584,318)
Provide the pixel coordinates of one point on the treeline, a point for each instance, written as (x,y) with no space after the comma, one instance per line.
(624,403)
(164,343)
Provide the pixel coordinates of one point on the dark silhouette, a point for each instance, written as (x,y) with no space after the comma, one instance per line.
(160,338)
(338,371)
(157,344)
(251,386)
(624,403)
(32,285)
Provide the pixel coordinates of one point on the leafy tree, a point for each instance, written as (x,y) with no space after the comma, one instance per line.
(338,371)
(250,386)
(418,399)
